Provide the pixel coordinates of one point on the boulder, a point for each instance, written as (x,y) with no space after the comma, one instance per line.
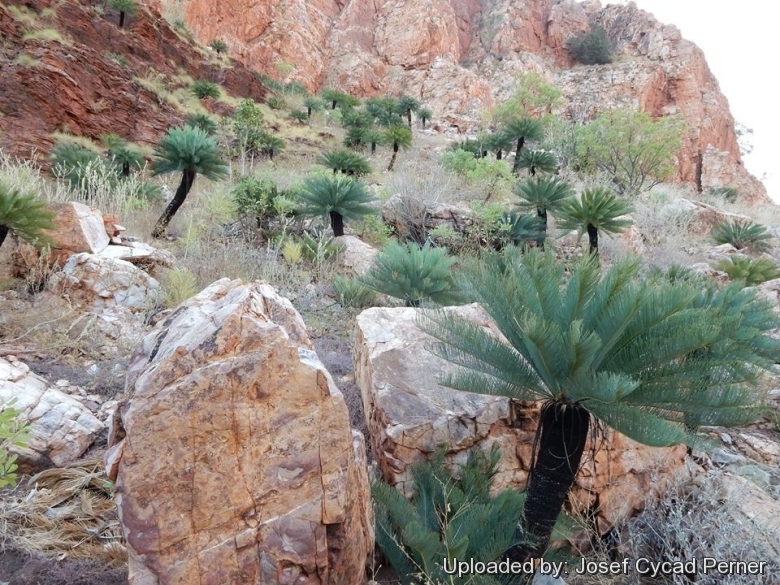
(146,257)
(99,284)
(233,454)
(355,257)
(410,415)
(61,427)
(80,228)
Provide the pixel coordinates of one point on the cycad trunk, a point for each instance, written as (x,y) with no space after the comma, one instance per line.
(337,223)
(593,239)
(423,122)
(516,165)
(564,432)
(187,178)
(541,213)
(499,153)
(121,19)
(3,233)
(373,148)
(409,117)
(392,159)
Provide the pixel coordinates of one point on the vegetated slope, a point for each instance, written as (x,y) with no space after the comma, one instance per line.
(67,66)
(461,56)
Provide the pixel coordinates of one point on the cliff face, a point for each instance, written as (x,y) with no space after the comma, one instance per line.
(461,56)
(66,68)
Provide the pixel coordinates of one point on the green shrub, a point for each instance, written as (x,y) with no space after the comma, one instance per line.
(749,271)
(83,169)
(348,162)
(729,194)
(350,293)
(12,432)
(446,518)
(459,161)
(202,121)
(299,116)
(205,89)
(276,103)
(742,234)
(593,47)
(256,197)
(413,274)
(218,45)
(24,214)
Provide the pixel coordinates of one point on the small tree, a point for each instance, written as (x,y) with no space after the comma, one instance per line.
(545,194)
(406,105)
(25,215)
(190,151)
(399,137)
(633,149)
(205,89)
(537,160)
(747,271)
(312,104)
(522,130)
(373,137)
(534,97)
(413,274)
(349,163)
(125,7)
(597,210)
(338,197)
(126,158)
(593,47)
(219,46)
(424,114)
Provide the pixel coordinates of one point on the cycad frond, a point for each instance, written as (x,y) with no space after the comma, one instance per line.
(748,270)
(323,194)
(188,149)
(349,163)
(537,161)
(742,234)
(598,207)
(24,214)
(548,193)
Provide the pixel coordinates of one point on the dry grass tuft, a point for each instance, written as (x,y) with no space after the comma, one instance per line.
(66,512)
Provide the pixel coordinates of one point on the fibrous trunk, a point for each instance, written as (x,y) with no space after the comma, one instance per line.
(593,239)
(337,224)
(516,165)
(3,233)
(187,178)
(562,438)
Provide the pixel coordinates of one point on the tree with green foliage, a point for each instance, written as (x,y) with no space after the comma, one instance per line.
(125,8)
(189,151)
(299,116)
(516,229)
(339,98)
(537,160)
(534,97)
(742,234)
(633,149)
(24,214)
(126,158)
(399,137)
(413,274)
(498,142)
(405,106)
(520,131)
(203,122)
(653,361)
(219,46)
(312,104)
(592,47)
(247,126)
(597,210)
(747,271)
(444,518)
(373,137)
(424,114)
(80,167)
(348,162)
(337,197)
(270,145)
(257,198)
(545,194)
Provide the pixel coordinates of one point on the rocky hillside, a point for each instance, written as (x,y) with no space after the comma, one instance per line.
(68,67)
(461,57)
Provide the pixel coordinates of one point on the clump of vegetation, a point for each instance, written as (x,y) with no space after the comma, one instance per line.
(205,89)
(350,293)
(749,271)
(347,162)
(399,137)
(13,432)
(742,234)
(337,197)
(593,47)
(179,285)
(260,199)
(597,210)
(546,194)
(219,46)
(413,274)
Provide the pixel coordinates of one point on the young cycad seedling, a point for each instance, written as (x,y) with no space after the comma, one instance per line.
(742,234)
(413,274)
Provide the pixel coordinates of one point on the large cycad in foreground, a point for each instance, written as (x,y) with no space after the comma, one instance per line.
(188,150)
(653,361)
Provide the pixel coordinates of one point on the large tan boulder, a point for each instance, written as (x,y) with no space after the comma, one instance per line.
(61,428)
(354,257)
(233,455)
(80,228)
(410,415)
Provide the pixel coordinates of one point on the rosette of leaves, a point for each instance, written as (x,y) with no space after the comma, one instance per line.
(742,234)
(748,270)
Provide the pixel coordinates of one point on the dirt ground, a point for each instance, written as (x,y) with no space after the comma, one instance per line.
(18,568)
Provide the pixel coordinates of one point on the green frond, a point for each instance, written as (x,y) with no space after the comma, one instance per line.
(322,194)
(24,214)
(598,207)
(527,128)
(399,137)
(537,161)
(548,193)
(190,149)
(348,162)
(748,270)
(742,234)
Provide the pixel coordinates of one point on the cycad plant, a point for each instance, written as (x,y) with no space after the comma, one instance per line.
(348,162)
(24,214)
(124,7)
(653,361)
(545,194)
(537,161)
(79,167)
(312,104)
(126,158)
(516,229)
(373,137)
(413,274)
(399,137)
(446,518)
(190,151)
(203,122)
(338,197)
(424,114)
(520,131)
(405,106)
(748,271)
(597,210)
(742,234)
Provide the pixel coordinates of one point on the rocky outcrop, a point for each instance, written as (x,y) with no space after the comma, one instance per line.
(79,228)
(410,415)
(461,56)
(61,428)
(233,455)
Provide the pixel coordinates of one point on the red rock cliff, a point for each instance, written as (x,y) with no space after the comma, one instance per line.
(461,56)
